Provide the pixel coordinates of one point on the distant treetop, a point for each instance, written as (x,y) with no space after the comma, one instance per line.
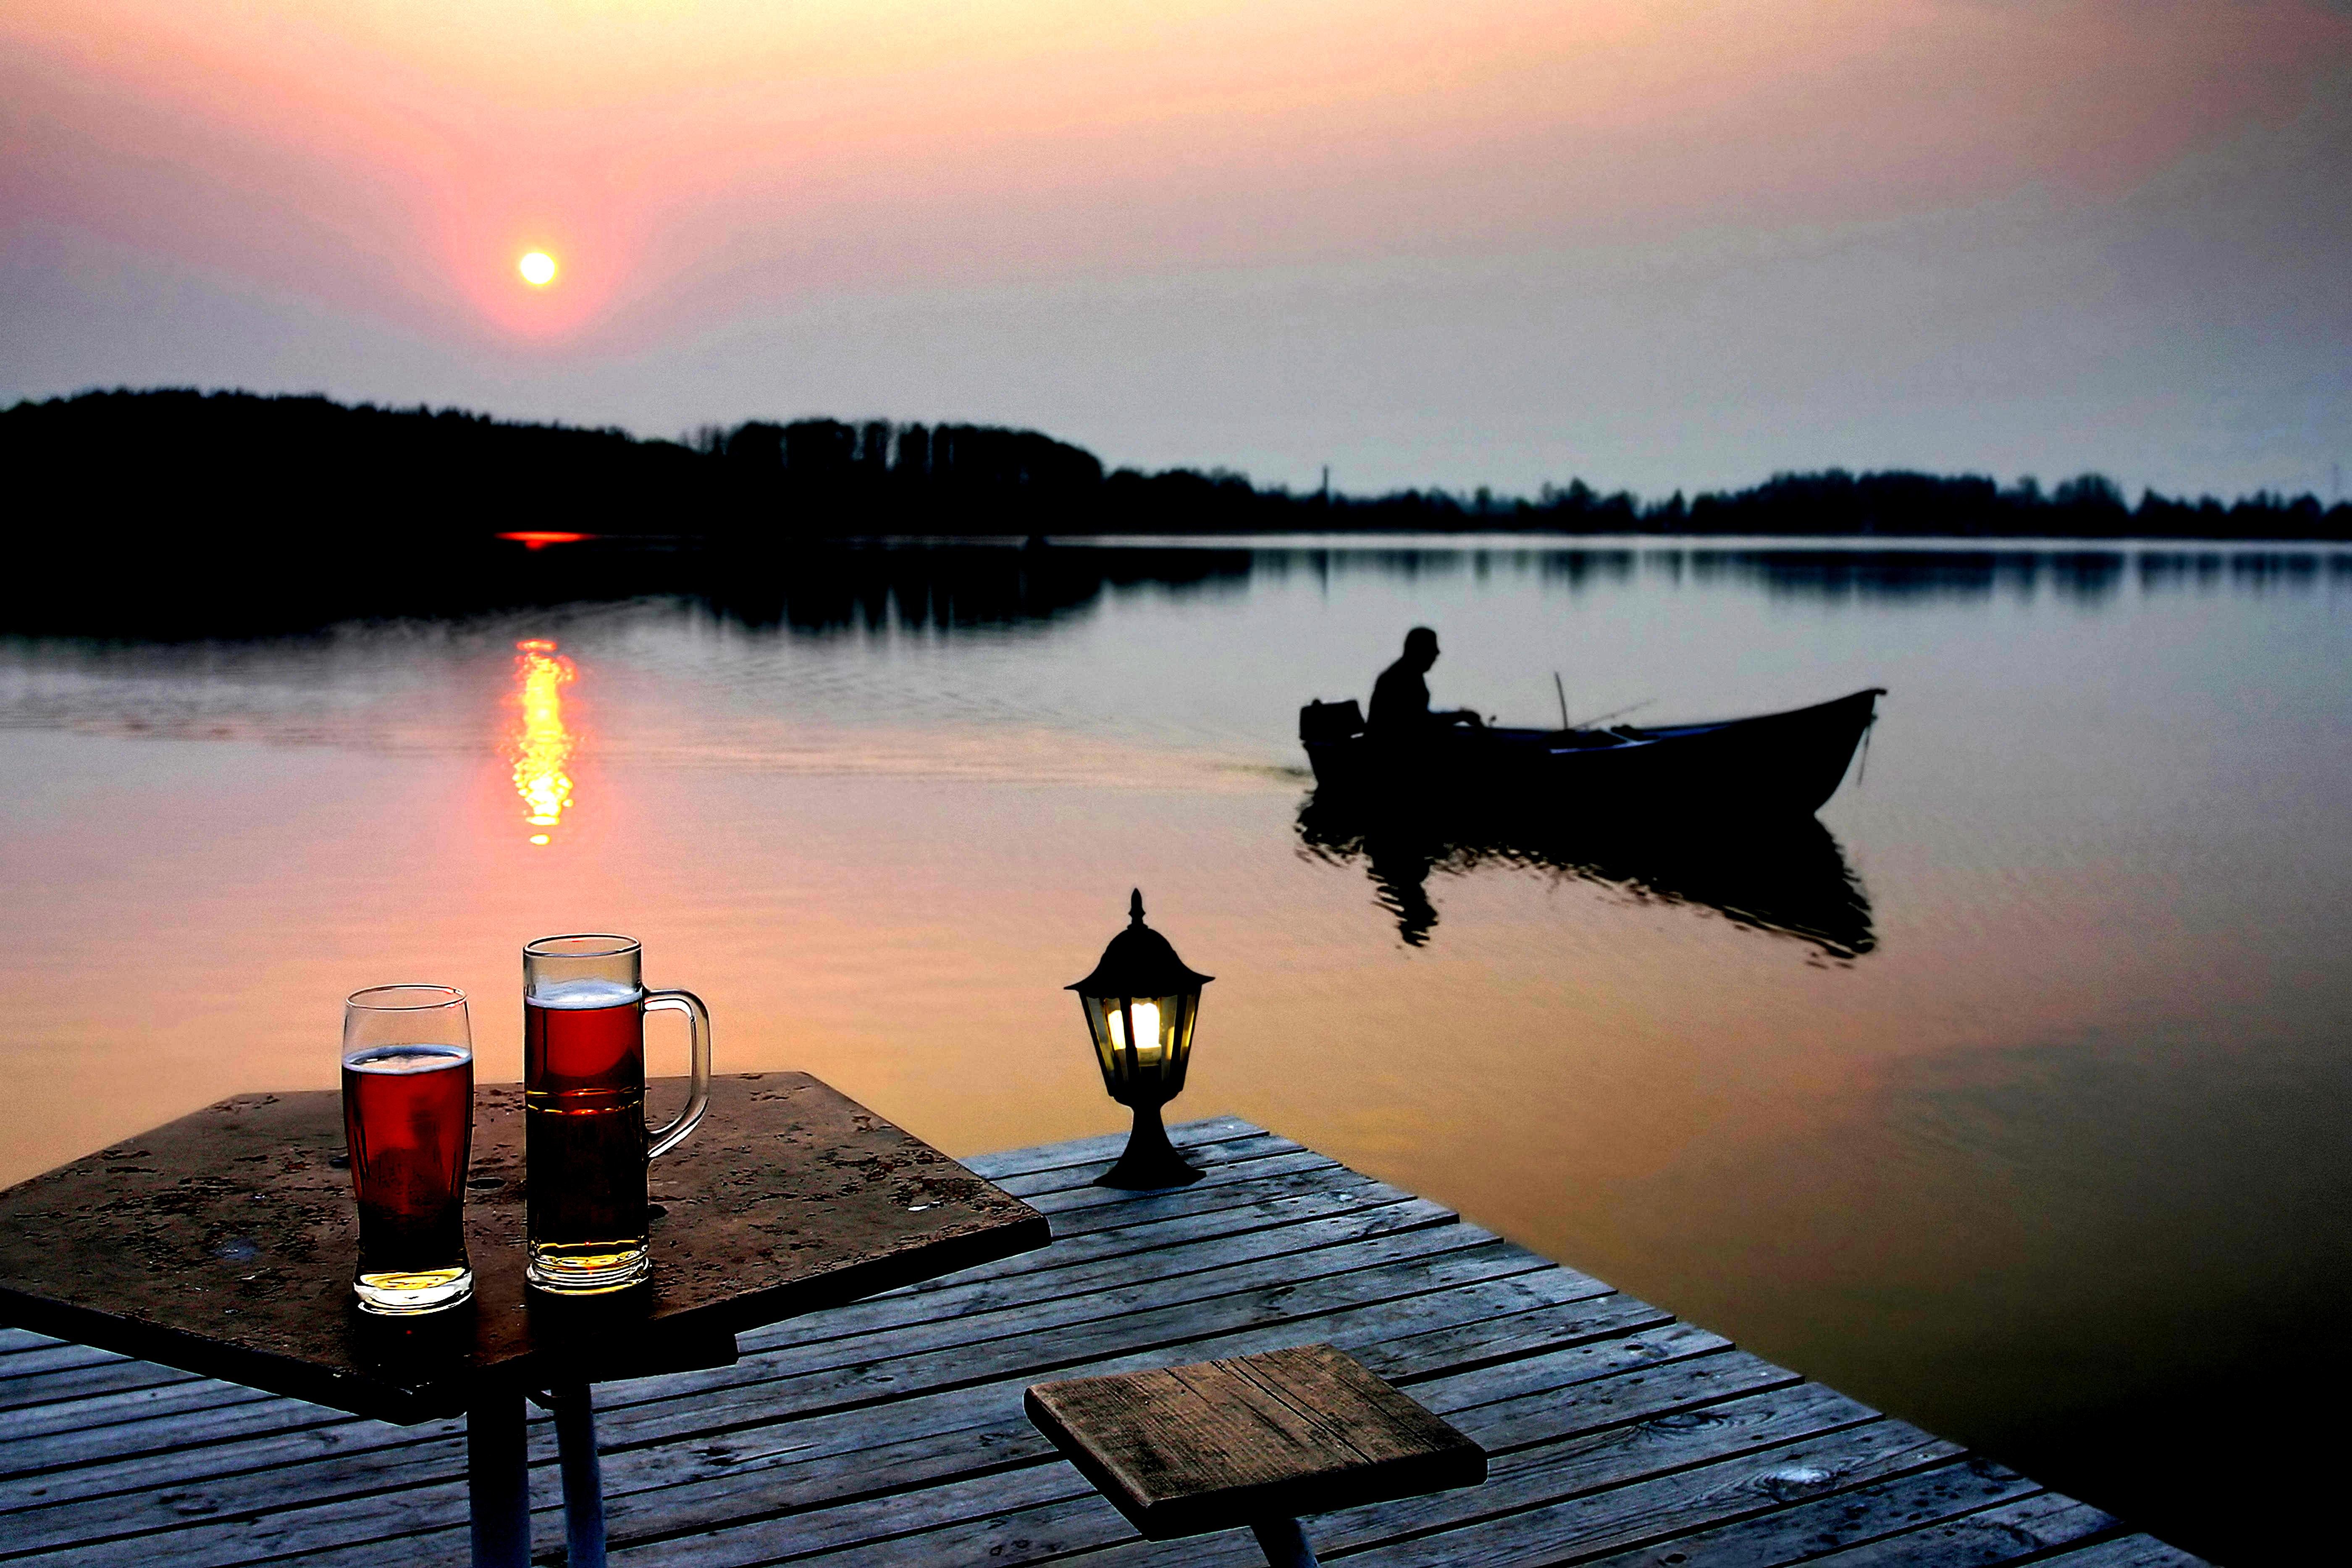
(274,465)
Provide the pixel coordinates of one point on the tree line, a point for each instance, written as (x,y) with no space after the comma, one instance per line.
(232,467)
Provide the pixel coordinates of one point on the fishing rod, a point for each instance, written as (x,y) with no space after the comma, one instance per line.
(1561,692)
(1620,713)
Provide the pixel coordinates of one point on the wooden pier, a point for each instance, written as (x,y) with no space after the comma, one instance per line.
(892,1431)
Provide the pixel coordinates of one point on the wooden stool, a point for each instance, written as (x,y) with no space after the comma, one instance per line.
(1255,1440)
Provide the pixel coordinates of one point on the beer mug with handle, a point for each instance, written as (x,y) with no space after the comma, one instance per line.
(586,1145)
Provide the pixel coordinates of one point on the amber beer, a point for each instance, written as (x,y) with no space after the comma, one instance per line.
(583,1066)
(586,1145)
(408,1123)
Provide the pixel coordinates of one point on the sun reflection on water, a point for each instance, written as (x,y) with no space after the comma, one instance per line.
(542,746)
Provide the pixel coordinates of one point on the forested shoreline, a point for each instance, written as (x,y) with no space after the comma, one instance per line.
(242,467)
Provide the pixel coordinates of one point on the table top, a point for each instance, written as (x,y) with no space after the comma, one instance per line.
(223,1244)
(1250,1438)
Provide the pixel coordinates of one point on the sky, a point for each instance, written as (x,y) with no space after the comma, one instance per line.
(1655,244)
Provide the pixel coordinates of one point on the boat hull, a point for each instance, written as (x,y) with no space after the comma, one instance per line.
(1771,765)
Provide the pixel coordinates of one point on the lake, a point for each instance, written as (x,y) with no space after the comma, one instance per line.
(2011,1099)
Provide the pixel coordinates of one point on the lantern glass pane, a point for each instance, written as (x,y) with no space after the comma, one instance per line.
(1099,1026)
(1154,1069)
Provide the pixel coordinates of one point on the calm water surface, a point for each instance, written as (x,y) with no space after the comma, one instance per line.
(2014,1104)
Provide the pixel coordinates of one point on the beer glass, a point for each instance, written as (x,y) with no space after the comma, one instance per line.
(585,1141)
(408,1121)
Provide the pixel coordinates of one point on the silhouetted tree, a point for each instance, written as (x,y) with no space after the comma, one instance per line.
(176,474)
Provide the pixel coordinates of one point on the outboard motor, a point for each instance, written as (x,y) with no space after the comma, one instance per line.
(1322,721)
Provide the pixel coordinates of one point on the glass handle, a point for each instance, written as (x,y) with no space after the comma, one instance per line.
(698,1095)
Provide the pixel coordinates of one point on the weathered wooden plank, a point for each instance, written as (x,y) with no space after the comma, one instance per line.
(1104,1148)
(1221,1155)
(1256,1212)
(786,1477)
(156,1492)
(771,1486)
(14,1340)
(426,1524)
(1370,1353)
(1989,1536)
(219,1503)
(1973,1539)
(1622,1517)
(1805,1531)
(166,1431)
(1653,1390)
(1068,1522)
(20,1429)
(1098,1547)
(934,1516)
(1158,1268)
(2125,1551)
(801,1480)
(1466,1341)
(1057,1166)
(1535,1376)
(374,1527)
(1604,1456)
(1502,1282)
(1203,1198)
(115,1377)
(1134,1208)
(1134,1293)
(52,1355)
(1457,1346)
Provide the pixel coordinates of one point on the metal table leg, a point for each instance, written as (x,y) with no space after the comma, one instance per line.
(1284,1543)
(583,1484)
(498,1477)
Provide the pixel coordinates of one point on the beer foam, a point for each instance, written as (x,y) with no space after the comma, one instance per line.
(418,1057)
(582,993)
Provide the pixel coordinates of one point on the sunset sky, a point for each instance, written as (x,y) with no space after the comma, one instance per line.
(1649,241)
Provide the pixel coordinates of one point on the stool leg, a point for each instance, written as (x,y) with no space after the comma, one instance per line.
(497,1482)
(583,1482)
(1284,1543)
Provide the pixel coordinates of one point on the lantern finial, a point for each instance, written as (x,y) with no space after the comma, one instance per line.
(1135,907)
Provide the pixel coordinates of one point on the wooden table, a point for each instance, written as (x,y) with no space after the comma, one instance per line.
(223,1244)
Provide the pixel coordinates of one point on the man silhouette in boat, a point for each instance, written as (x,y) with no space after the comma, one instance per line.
(1400,696)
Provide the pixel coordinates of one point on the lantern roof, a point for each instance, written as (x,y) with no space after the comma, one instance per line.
(1139,962)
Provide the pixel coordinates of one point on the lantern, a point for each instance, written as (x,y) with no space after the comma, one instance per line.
(1140,1003)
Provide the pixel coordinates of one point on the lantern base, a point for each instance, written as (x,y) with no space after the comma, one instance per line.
(1149,1161)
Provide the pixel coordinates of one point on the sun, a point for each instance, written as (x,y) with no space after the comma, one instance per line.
(538,268)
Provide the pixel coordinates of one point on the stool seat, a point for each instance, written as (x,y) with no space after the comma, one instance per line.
(1255,1438)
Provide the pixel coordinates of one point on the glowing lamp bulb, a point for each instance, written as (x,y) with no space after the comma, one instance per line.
(1146,1031)
(538,268)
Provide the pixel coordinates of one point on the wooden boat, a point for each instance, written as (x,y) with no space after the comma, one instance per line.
(1771,765)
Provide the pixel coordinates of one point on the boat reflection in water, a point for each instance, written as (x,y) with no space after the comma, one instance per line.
(1789,877)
